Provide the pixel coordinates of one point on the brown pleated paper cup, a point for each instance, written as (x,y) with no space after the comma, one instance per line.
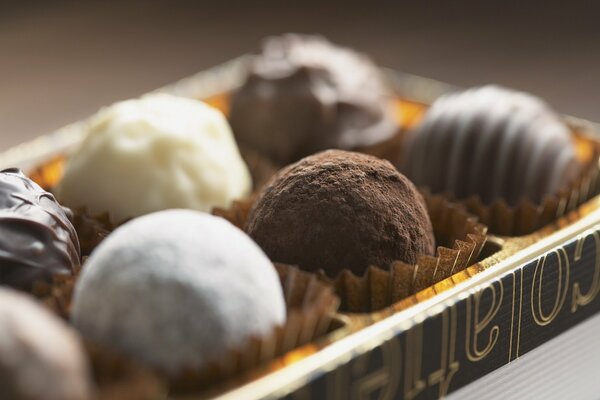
(527,216)
(460,238)
(93,228)
(310,308)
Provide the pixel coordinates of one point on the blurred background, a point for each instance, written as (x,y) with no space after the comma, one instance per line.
(62,60)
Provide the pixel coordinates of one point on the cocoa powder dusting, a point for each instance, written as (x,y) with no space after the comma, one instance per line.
(340,210)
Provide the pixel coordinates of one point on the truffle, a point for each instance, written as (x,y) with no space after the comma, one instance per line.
(40,357)
(177,289)
(491,142)
(304,94)
(340,210)
(155,153)
(37,240)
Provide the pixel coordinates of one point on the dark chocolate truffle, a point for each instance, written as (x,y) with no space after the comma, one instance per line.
(491,142)
(340,210)
(37,240)
(40,357)
(304,94)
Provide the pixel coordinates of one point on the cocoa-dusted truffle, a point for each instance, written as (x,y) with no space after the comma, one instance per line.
(40,357)
(177,289)
(340,210)
(491,142)
(303,94)
(37,240)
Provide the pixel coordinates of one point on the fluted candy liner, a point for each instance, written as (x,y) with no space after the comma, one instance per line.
(310,305)
(93,228)
(527,217)
(460,238)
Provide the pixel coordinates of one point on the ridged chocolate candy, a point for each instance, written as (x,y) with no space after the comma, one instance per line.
(304,94)
(491,142)
(339,210)
(37,240)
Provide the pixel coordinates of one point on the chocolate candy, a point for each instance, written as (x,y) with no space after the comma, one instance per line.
(154,153)
(177,289)
(37,240)
(40,356)
(304,94)
(340,210)
(491,142)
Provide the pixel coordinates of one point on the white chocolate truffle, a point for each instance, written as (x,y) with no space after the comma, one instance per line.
(177,289)
(154,153)
(40,357)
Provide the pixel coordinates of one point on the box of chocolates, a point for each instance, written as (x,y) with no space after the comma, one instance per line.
(298,223)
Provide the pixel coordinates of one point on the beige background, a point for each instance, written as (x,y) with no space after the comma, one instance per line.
(61,60)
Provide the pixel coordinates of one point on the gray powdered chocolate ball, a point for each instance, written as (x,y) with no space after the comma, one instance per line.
(37,240)
(40,357)
(340,210)
(303,95)
(177,289)
(491,142)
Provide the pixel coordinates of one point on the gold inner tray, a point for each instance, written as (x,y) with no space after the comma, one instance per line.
(351,334)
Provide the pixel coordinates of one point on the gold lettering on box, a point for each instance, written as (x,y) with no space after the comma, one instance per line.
(413,383)
(475,326)
(512,316)
(386,379)
(520,314)
(563,265)
(581,299)
(516,315)
(448,364)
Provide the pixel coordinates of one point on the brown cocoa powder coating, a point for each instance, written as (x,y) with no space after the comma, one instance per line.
(340,210)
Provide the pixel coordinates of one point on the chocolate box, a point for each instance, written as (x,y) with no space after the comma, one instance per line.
(523,292)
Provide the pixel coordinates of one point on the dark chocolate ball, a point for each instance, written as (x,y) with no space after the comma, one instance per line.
(304,94)
(491,142)
(37,240)
(340,210)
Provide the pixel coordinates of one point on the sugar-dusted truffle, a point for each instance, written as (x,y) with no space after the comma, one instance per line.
(177,289)
(491,142)
(304,94)
(40,357)
(341,210)
(37,240)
